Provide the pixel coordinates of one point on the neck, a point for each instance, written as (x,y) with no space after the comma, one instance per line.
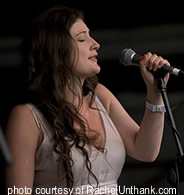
(74,94)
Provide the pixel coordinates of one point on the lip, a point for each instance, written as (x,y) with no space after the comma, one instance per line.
(93,58)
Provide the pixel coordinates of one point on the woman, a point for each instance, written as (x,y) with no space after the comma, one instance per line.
(73,132)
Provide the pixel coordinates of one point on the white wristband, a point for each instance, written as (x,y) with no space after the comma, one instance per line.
(155,108)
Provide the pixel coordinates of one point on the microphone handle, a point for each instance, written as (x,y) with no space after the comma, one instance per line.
(136,59)
(165,68)
(172,70)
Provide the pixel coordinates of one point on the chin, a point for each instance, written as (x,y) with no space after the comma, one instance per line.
(96,71)
(90,72)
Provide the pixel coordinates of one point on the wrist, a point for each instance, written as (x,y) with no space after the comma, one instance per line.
(154,96)
(155,108)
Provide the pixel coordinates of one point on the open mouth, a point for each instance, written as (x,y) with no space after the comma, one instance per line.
(93,58)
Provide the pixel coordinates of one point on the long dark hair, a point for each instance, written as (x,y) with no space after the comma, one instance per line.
(48,49)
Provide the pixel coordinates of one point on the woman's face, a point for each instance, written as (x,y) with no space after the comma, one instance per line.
(86,62)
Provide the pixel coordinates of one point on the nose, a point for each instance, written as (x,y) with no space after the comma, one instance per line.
(95,45)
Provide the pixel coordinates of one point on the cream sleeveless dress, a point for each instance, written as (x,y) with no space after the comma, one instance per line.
(107,165)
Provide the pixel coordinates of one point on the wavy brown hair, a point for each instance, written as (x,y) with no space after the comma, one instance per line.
(48,48)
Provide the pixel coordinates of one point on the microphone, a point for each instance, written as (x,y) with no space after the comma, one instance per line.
(128,57)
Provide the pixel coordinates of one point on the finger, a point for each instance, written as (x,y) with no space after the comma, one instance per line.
(152,61)
(145,59)
(156,63)
(163,62)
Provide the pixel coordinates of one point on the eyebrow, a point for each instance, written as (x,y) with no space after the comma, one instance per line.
(82,32)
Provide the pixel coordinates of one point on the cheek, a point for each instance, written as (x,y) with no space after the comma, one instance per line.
(82,65)
(82,56)
(75,57)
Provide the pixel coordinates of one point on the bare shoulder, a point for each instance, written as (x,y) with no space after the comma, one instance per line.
(20,115)
(105,96)
(21,125)
(20,111)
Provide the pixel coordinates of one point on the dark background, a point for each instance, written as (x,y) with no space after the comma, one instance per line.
(148,26)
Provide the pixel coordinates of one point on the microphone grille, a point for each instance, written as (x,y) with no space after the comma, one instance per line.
(126,56)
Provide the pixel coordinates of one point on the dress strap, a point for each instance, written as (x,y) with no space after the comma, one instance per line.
(36,114)
(32,108)
(100,105)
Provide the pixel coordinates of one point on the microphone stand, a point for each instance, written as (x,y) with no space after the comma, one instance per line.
(4,151)
(175,175)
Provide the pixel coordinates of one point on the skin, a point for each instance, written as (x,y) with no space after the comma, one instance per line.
(141,142)
(86,64)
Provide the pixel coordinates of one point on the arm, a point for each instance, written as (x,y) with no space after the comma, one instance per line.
(151,128)
(141,142)
(22,135)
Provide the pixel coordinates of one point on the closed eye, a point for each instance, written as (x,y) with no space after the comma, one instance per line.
(82,40)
